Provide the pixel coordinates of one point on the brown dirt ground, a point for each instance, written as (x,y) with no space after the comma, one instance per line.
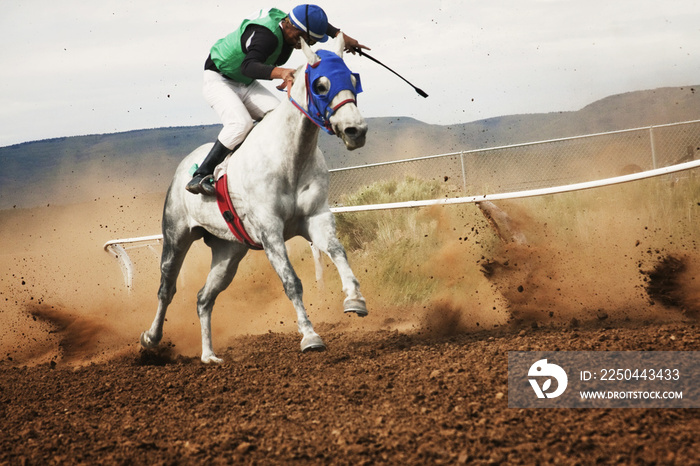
(373,397)
(75,388)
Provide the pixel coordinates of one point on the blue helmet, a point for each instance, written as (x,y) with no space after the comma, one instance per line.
(312,20)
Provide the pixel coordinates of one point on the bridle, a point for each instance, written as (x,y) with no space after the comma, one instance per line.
(318,106)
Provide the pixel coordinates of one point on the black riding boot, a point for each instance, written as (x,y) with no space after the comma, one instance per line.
(202,181)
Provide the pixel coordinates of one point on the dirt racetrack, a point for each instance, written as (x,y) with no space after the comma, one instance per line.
(406,385)
(374,398)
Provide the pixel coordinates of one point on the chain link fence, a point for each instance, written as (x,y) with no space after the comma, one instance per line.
(535,165)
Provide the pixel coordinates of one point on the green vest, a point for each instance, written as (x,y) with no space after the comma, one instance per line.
(227,54)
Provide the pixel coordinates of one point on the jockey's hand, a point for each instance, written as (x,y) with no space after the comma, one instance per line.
(352,45)
(286,75)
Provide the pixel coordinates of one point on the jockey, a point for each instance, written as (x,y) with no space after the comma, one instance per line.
(256,50)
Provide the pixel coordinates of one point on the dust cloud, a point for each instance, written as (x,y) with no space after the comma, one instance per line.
(619,254)
(598,255)
(64,300)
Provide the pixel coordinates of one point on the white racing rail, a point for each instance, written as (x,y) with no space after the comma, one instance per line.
(118,247)
(523,194)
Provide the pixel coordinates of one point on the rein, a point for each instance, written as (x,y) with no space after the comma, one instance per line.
(320,121)
(319,108)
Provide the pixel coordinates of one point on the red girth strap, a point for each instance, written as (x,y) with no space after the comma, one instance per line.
(223,199)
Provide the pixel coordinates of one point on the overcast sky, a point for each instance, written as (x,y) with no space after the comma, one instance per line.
(73,67)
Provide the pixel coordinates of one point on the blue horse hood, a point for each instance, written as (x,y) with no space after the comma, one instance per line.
(334,68)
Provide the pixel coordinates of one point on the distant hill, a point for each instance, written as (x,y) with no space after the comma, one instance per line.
(75,169)
(407,138)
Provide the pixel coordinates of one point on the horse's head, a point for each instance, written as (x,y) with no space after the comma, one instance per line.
(331,95)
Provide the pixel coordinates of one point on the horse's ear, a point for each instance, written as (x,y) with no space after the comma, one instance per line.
(340,44)
(311,57)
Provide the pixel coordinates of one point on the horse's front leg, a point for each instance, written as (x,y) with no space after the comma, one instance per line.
(321,230)
(276,252)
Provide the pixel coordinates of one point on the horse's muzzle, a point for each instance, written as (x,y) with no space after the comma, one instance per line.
(353,136)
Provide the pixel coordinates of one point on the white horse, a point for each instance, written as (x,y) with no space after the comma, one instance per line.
(278,183)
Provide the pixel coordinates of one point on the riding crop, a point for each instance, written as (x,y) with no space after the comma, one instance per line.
(420,92)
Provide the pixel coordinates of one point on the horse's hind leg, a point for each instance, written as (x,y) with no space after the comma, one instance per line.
(224,263)
(321,232)
(176,243)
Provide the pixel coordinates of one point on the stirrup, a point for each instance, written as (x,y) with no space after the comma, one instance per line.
(207,185)
(201,184)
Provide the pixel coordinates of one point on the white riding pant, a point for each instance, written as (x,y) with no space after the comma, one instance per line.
(237,104)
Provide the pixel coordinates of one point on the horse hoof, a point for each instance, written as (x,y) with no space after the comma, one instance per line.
(147,342)
(357,306)
(211,359)
(312,343)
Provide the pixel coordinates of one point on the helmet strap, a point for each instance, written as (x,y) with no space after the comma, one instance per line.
(308,29)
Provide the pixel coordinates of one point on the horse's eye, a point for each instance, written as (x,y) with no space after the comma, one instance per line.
(321,86)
